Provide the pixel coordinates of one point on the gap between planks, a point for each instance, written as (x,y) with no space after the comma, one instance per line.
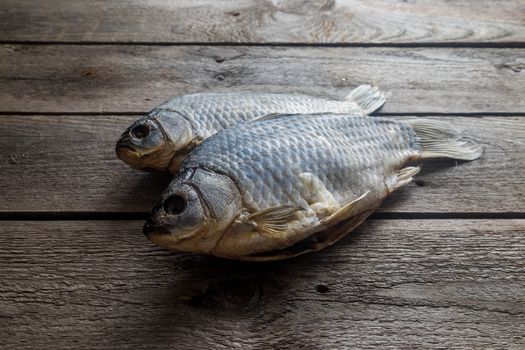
(473,45)
(126,216)
(376,114)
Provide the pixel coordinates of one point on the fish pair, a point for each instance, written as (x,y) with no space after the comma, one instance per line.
(272,176)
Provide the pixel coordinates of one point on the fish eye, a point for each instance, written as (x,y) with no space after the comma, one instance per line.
(140,131)
(174,205)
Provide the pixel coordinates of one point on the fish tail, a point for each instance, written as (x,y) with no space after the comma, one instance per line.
(442,140)
(368,97)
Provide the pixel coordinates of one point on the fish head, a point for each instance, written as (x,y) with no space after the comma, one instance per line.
(195,210)
(153,141)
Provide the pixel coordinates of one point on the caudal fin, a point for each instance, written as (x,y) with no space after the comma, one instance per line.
(441,140)
(368,97)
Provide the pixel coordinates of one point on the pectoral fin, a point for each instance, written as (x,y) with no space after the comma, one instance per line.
(274,222)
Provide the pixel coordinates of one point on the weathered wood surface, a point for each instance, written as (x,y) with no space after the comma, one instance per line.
(429,284)
(392,284)
(255,21)
(58,78)
(67,163)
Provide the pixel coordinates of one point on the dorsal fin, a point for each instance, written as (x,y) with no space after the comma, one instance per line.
(368,97)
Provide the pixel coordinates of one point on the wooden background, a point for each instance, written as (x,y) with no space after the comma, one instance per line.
(441,265)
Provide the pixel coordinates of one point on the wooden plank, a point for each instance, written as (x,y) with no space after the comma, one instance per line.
(136,78)
(253,21)
(67,163)
(429,284)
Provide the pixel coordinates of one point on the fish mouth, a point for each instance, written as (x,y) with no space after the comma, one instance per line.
(164,238)
(125,148)
(159,234)
(135,159)
(161,237)
(152,230)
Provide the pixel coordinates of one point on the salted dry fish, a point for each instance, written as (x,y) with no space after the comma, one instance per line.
(286,185)
(163,138)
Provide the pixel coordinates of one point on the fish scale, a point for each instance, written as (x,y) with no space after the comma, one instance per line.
(285,185)
(265,159)
(209,112)
(162,139)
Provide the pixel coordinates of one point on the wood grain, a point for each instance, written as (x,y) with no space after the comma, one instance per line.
(429,284)
(55,78)
(392,284)
(67,163)
(254,21)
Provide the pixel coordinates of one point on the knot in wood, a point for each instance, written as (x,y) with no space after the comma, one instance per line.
(233,294)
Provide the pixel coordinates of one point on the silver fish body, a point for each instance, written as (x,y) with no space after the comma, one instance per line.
(162,139)
(209,113)
(285,185)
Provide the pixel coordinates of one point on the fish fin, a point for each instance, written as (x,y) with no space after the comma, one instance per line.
(274,221)
(403,177)
(368,97)
(333,234)
(315,242)
(344,213)
(325,233)
(441,140)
